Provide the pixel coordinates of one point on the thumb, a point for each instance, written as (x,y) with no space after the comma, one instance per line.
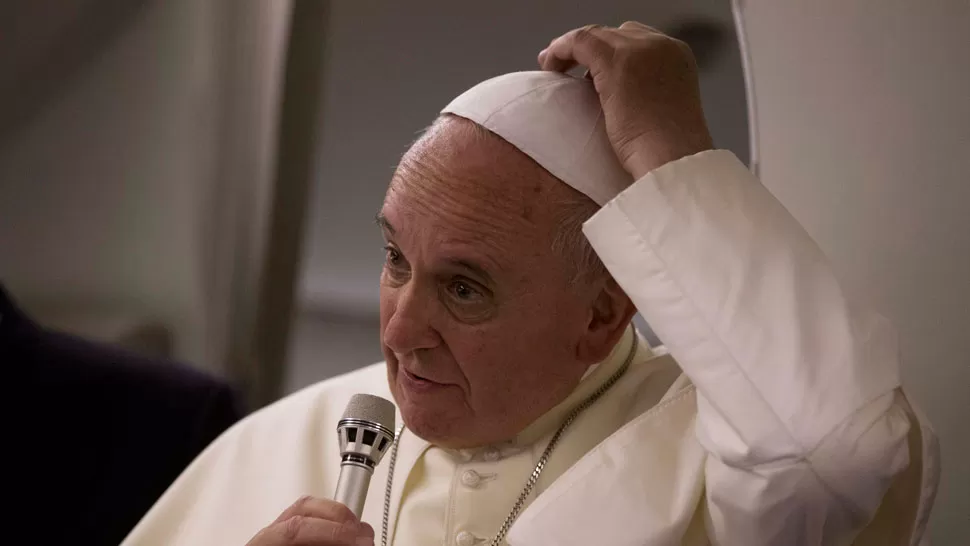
(365,535)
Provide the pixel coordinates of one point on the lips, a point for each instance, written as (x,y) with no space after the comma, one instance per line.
(418,384)
(415,377)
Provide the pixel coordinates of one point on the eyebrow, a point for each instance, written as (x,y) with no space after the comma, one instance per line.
(382,221)
(473,268)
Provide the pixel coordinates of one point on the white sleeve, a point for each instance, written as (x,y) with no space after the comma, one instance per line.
(796,387)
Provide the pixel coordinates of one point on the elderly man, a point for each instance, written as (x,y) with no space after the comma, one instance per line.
(523,231)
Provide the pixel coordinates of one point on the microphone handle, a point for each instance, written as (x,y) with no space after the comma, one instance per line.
(352,487)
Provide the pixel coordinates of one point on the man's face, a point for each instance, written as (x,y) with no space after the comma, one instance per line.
(479,319)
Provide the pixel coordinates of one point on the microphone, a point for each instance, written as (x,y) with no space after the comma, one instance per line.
(366,432)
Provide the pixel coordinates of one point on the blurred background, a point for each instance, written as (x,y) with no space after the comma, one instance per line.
(196,180)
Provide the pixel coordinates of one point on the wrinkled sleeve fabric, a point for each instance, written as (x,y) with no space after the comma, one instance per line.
(796,386)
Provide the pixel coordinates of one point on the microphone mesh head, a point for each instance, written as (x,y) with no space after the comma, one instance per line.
(367,407)
(366,430)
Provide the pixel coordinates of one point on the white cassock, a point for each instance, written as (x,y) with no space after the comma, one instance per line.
(773,414)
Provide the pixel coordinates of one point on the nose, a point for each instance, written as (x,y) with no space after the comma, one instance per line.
(409,325)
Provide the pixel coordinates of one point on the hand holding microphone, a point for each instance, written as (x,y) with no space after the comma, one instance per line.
(312,521)
(365,433)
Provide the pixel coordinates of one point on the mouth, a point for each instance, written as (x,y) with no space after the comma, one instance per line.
(418,382)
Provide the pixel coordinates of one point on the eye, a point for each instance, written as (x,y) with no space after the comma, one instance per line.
(467,301)
(395,265)
(392,256)
(464,291)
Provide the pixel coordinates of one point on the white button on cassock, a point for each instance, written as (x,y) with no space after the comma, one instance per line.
(470,478)
(465,538)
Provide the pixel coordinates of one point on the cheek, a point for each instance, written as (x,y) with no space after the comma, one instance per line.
(478,356)
(530,338)
(470,345)
(496,358)
(387,305)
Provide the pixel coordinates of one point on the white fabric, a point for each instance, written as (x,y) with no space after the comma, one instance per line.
(796,402)
(556,120)
(788,426)
(456,497)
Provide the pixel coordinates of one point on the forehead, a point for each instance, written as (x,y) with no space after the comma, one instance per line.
(461,182)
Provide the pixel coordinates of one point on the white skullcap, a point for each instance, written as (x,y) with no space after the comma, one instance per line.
(555,119)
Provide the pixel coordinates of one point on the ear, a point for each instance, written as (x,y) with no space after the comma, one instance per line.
(609,315)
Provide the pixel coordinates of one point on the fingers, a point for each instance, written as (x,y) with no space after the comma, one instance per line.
(592,46)
(636,25)
(365,530)
(313,507)
(586,46)
(313,521)
(309,531)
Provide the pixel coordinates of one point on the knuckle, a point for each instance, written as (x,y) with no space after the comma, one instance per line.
(293,526)
(342,514)
(583,35)
(680,47)
(303,501)
(588,34)
(590,37)
(345,532)
(636,28)
(337,532)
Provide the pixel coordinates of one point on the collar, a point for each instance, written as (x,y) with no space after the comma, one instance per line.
(411,447)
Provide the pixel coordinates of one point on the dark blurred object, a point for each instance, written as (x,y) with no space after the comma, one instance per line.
(707,39)
(98,434)
(134,332)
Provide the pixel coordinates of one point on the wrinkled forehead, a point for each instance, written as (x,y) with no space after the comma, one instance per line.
(478,160)
(461,176)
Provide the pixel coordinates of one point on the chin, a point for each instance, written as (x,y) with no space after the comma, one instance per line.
(433,427)
(430,426)
(433,418)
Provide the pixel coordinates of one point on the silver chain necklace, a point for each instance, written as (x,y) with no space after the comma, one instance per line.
(536,472)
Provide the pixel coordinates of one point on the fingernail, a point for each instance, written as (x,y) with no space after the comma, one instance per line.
(542,56)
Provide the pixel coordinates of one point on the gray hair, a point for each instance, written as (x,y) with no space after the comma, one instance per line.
(569,241)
